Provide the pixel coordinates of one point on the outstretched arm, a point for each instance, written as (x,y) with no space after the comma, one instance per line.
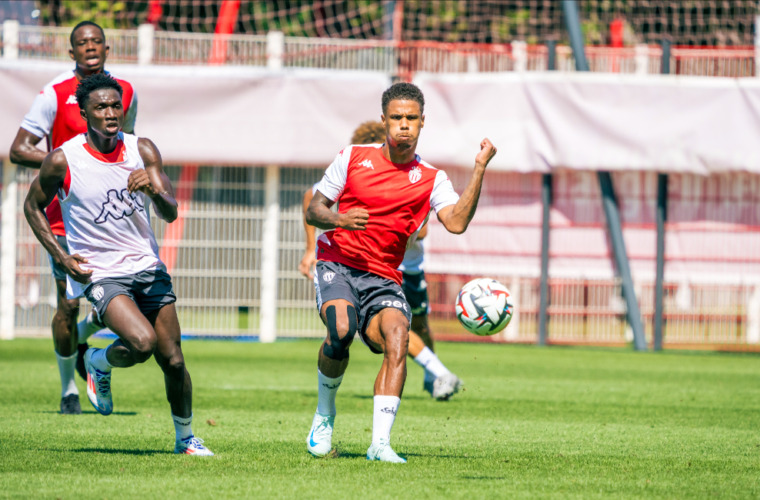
(309,256)
(319,214)
(41,193)
(153,181)
(455,218)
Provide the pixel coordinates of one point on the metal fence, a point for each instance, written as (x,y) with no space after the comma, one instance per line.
(217,266)
(398,58)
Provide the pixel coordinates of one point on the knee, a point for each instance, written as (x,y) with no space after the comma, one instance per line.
(173,364)
(142,348)
(340,332)
(68,309)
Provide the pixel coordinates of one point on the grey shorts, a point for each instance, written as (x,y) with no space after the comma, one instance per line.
(58,272)
(415,289)
(368,292)
(150,290)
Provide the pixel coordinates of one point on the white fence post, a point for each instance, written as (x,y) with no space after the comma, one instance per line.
(10,39)
(641,59)
(269,256)
(520,55)
(753,317)
(275,49)
(145,35)
(757,46)
(8,252)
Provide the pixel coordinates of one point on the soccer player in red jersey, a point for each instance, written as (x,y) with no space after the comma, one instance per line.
(55,115)
(439,381)
(385,194)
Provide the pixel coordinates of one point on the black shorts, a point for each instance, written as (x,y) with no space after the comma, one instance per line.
(368,292)
(415,289)
(150,290)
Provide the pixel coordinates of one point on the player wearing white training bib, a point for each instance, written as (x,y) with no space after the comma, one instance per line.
(385,195)
(105,223)
(106,180)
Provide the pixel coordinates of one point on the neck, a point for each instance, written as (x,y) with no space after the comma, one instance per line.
(82,74)
(101,144)
(400,155)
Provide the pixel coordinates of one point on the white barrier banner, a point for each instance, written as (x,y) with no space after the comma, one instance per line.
(223,115)
(545,120)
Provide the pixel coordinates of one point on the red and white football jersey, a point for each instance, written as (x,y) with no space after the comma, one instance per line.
(55,115)
(398,198)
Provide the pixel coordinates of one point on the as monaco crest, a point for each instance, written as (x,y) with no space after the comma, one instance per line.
(415,174)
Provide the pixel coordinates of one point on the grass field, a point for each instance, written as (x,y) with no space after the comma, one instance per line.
(533,423)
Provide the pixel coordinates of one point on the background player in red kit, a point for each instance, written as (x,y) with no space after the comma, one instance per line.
(385,194)
(55,115)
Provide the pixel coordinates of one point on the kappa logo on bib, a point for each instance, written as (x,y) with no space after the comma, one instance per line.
(97,292)
(415,174)
(328,276)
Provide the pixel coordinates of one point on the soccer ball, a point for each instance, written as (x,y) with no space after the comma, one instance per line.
(484,306)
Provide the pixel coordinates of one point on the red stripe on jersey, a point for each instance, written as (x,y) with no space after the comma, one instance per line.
(397,198)
(69,123)
(115,156)
(67,181)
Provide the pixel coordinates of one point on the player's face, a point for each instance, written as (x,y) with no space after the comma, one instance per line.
(104,113)
(89,50)
(403,122)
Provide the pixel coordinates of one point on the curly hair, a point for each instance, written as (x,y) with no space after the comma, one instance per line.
(371,132)
(403,91)
(93,83)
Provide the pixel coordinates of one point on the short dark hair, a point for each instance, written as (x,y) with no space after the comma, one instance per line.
(85,23)
(93,83)
(403,91)
(371,132)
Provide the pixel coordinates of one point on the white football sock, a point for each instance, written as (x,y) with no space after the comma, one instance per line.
(100,361)
(383,418)
(328,389)
(182,427)
(67,368)
(430,362)
(87,327)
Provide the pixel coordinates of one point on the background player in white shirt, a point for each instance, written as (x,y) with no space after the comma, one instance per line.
(439,381)
(385,194)
(55,115)
(106,182)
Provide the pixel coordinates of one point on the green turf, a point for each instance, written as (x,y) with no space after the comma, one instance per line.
(533,423)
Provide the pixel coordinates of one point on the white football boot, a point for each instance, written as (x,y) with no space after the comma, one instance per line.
(192,446)
(319,440)
(382,452)
(446,386)
(98,385)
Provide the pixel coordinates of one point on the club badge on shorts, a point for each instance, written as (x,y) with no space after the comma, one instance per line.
(97,292)
(328,276)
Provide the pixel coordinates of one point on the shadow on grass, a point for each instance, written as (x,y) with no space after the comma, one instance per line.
(92,412)
(114,451)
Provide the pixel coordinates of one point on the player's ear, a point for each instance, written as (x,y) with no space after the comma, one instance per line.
(106,54)
(71,55)
(422,121)
(83,114)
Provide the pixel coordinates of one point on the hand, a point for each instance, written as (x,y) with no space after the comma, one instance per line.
(71,265)
(139,181)
(487,151)
(354,220)
(307,264)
